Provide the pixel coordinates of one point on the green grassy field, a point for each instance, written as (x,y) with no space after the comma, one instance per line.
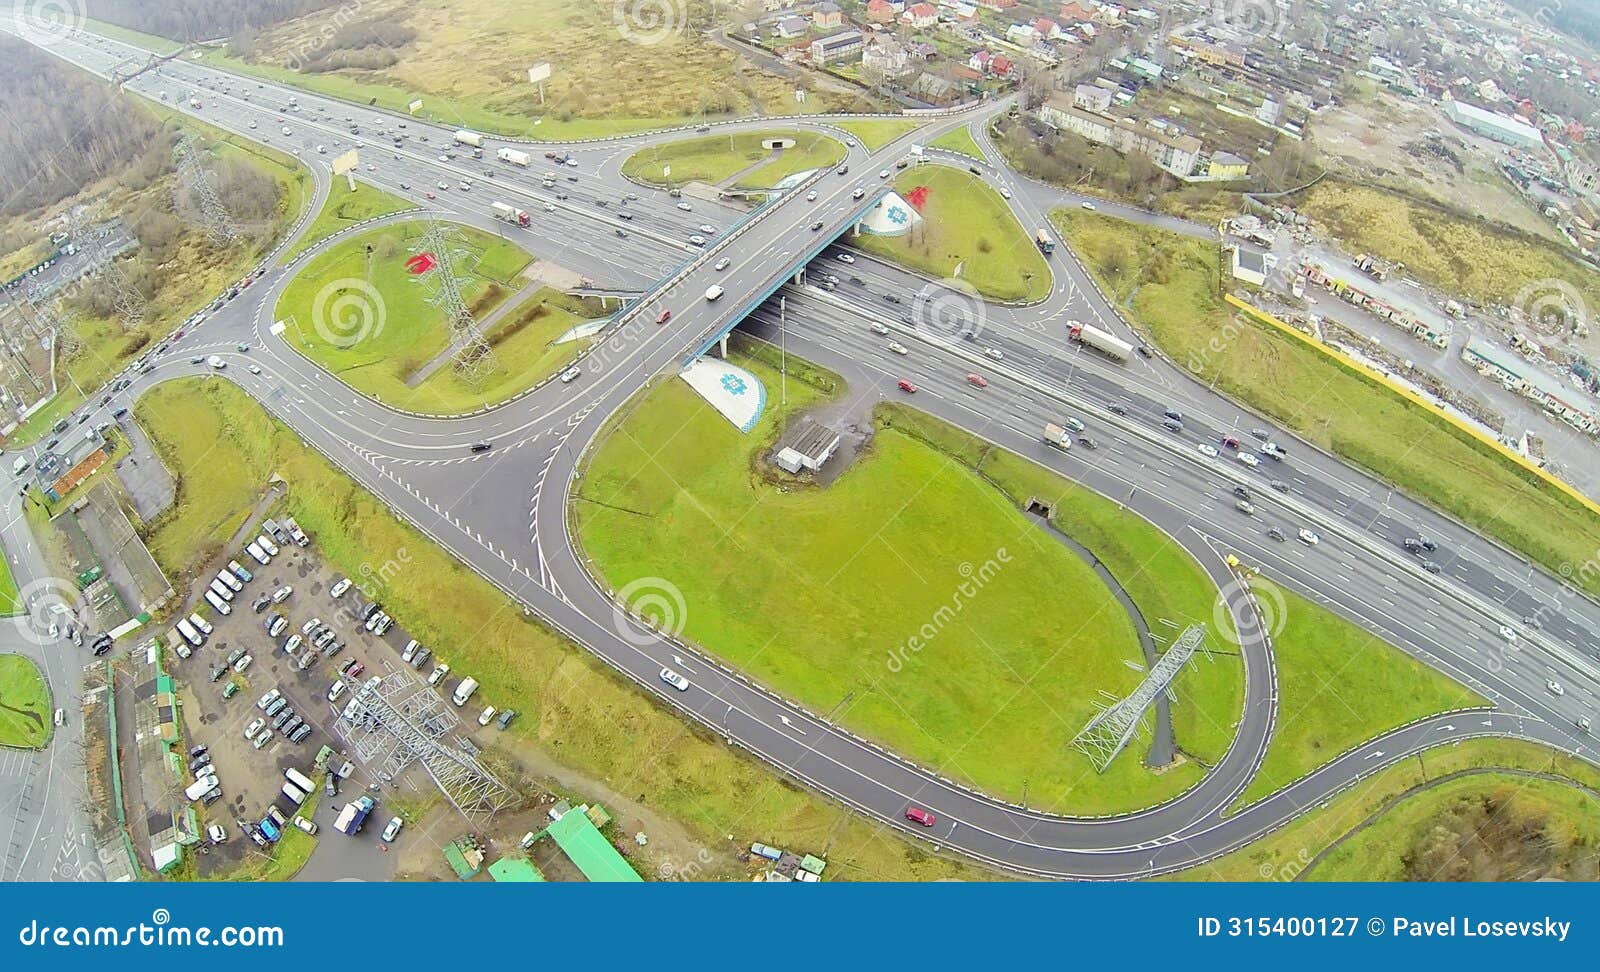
(958,140)
(9,605)
(714,158)
(1286,853)
(877,132)
(1338,686)
(966,224)
(811,591)
(1175,301)
(374,340)
(223,448)
(525,350)
(345,208)
(25,716)
(1479,828)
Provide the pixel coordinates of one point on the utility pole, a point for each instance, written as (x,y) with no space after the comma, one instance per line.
(783,350)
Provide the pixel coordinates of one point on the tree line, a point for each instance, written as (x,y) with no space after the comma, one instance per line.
(197,20)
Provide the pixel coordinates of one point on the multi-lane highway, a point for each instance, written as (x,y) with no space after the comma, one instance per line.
(504,512)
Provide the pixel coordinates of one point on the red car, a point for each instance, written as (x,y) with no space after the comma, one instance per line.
(430,195)
(353,668)
(664,317)
(978,381)
(907,386)
(917,815)
(1230,442)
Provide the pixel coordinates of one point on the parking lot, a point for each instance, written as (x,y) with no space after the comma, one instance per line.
(261,691)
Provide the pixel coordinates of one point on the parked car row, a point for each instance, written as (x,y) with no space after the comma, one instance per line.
(417,655)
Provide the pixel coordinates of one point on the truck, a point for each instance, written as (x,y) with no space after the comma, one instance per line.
(299,535)
(1107,344)
(353,816)
(1044,241)
(468,137)
(510,214)
(1057,436)
(514,156)
(464,691)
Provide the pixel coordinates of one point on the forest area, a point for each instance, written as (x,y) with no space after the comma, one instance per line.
(200,20)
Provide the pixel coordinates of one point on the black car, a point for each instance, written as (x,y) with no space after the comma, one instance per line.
(891,298)
(1429,545)
(1242,492)
(1430,566)
(1116,409)
(102,645)
(201,760)
(482,446)
(1276,534)
(119,413)
(198,750)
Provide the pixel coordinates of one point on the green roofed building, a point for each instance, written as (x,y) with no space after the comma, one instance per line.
(515,869)
(582,842)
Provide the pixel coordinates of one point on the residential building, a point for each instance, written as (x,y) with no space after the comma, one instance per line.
(1001,5)
(827,15)
(1001,67)
(880,11)
(885,58)
(920,15)
(1175,154)
(1022,35)
(1091,97)
(979,61)
(1225,167)
(837,48)
(1077,13)
(1046,28)
(789,27)
(1251,266)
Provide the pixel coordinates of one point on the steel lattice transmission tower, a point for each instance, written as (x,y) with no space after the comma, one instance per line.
(472,357)
(1108,733)
(53,319)
(395,721)
(126,300)
(219,225)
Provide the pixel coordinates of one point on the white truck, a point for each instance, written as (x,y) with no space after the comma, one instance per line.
(1057,436)
(468,137)
(713,292)
(509,214)
(514,156)
(1107,344)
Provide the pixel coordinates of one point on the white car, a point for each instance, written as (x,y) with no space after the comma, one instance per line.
(256,553)
(897,347)
(1554,687)
(721,264)
(392,830)
(1086,204)
(262,740)
(993,353)
(1248,458)
(286,131)
(879,328)
(1508,634)
(216,362)
(846,258)
(1207,450)
(675,680)
(707,229)
(1308,538)
(486,716)
(439,672)
(255,369)
(684,206)
(337,590)
(215,832)
(253,728)
(811,196)
(570,374)
(243,662)
(310,626)
(1005,193)
(282,594)
(697,239)
(267,699)
(883,173)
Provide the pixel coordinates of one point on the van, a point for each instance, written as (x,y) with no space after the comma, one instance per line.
(270,548)
(299,779)
(294,793)
(222,607)
(229,581)
(190,634)
(257,554)
(201,623)
(713,292)
(221,590)
(200,787)
(464,690)
(20,466)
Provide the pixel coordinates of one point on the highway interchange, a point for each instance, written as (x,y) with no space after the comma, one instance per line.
(505,512)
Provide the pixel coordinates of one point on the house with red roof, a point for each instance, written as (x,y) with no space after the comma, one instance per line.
(920,15)
(880,11)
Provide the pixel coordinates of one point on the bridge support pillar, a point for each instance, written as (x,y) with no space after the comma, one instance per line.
(722,347)
(799,276)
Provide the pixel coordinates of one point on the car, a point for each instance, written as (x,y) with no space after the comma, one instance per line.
(685,206)
(1207,449)
(1582,722)
(695,239)
(282,718)
(1308,538)
(1430,566)
(675,680)
(1172,425)
(214,832)
(883,173)
(1276,534)
(994,353)
(858,193)
(308,826)
(1005,193)
(277,706)
(392,829)
(301,733)
(816,226)
(1086,204)
(410,650)
(421,659)
(1509,635)
(1116,409)
(1250,459)
(721,264)
(481,446)
(353,668)
(921,817)
(811,196)
(262,740)
(1245,507)
(977,381)
(255,369)
(845,258)
(254,727)
(430,195)
(1279,485)
(267,699)
(570,374)
(339,588)
(843,170)
(242,663)
(276,625)
(311,626)
(486,716)
(1262,434)
(897,347)
(1530,621)
(1554,687)
(293,723)
(282,594)
(907,387)
(230,690)
(439,672)
(1230,442)
(707,229)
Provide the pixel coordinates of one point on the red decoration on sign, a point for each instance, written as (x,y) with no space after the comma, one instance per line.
(421,263)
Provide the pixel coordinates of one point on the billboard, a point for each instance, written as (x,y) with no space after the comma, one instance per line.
(415,106)
(345,163)
(539,72)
